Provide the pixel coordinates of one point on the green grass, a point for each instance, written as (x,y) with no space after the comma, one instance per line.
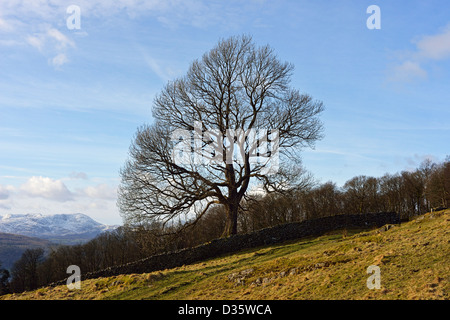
(413,260)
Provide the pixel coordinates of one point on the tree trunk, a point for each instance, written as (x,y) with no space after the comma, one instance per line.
(231,223)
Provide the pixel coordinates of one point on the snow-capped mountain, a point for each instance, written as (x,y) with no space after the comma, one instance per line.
(57,227)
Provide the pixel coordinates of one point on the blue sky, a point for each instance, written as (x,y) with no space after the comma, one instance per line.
(71,99)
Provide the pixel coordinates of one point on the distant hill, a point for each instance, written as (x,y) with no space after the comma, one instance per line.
(13,245)
(58,228)
(19,232)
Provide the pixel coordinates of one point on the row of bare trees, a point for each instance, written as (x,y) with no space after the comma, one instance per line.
(408,193)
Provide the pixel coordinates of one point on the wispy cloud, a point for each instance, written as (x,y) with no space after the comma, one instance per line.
(62,41)
(36,42)
(408,71)
(428,48)
(5,26)
(164,73)
(36,24)
(101,191)
(42,24)
(59,60)
(78,175)
(169,12)
(52,42)
(435,47)
(414,161)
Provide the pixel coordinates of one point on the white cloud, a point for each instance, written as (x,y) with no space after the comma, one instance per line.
(79,175)
(46,188)
(5,26)
(101,191)
(50,196)
(5,197)
(59,60)
(413,162)
(171,13)
(61,40)
(49,38)
(165,74)
(4,193)
(408,71)
(36,42)
(51,41)
(428,48)
(435,47)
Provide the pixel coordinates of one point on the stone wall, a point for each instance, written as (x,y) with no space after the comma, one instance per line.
(268,236)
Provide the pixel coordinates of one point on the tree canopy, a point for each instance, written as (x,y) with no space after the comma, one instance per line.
(231,119)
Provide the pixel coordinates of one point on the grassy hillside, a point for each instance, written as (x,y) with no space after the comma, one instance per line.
(413,260)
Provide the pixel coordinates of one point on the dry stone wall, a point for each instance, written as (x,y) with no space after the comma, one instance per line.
(268,236)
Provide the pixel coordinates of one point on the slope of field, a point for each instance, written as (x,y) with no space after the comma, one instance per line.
(413,259)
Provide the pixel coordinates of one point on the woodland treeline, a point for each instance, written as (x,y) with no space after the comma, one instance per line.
(408,193)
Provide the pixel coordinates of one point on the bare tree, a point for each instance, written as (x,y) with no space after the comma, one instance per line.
(362,194)
(232,119)
(25,270)
(4,276)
